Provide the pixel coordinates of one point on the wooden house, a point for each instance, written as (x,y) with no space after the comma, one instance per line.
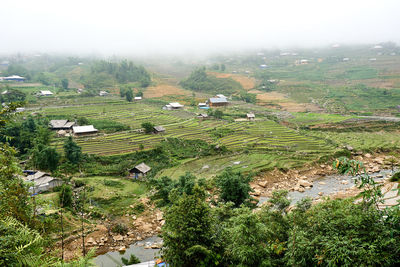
(139,171)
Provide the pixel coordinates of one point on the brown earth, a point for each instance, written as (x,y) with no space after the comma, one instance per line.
(163,89)
(247,82)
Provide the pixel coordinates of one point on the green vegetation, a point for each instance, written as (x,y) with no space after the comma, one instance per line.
(200,81)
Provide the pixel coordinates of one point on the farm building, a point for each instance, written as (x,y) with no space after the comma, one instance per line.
(251,116)
(84,130)
(61,124)
(14,78)
(217,102)
(263,66)
(103,93)
(19,109)
(138,98)
(42,182)
(173,105)
(159,129)
(202,105)
(139,171)
(44,93)
(202,116)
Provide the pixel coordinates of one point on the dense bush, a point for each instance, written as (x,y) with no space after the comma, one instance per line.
(200,81)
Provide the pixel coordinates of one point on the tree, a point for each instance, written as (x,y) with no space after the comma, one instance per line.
(187,231)
(140,94)
(218,114)
(233,187)
(73,152)
(65,196)
(122,91)
(45,157)
(129,95)
(13,95)
(83,121)
(148,127)
(222,67)
(132,260)
(64,83)
(247,236)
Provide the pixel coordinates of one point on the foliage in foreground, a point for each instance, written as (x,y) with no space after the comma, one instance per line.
(331,233)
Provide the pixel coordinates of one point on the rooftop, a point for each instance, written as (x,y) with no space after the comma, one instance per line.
(175,105)
(84,129)
(142,167)
(218,100)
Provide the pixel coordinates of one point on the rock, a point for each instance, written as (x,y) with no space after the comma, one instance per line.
(91,241)
(301,189)
(263,184)
(322,165)
(118,238)
(205,167)
(344,182)
(305,183)
(367,155)
(321,183)
(122,249)
(159,216)
(162,222)
(378,161)
(256,193)
(236,162)
(321,193)
(349,148)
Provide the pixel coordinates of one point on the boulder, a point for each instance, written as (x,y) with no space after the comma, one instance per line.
(263,184)
(321,193)
(322,183)
(301,189)
(344,182)
(118,238)
(122,249)
(305,183)
(368,155)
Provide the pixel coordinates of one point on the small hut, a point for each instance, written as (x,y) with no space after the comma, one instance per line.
(139,171)
(251,116)
(158,129)
(202,116)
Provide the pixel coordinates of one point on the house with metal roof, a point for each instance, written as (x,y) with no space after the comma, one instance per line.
(217,102)
(139,170)
(158,129)
(84,130)
(251,116)
(61,124)
(44,93)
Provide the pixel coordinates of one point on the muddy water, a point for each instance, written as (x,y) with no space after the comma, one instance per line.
(113,258)
(329,185)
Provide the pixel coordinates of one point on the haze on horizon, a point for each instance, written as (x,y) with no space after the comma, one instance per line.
(174,26)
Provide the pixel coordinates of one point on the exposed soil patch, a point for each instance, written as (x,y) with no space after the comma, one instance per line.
(163,89)
(247,82)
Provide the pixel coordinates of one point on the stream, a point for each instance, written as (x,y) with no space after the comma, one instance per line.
(113,258)
(328,185)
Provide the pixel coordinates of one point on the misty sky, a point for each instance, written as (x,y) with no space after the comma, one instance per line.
(148,26)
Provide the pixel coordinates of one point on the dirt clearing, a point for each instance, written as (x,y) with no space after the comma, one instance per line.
(248,83)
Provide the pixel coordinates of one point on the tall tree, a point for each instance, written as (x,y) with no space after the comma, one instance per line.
(187,231)
(72,151)
(129,95)
(64,83)
(233,186)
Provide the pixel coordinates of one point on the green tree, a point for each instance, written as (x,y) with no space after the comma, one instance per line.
(247,236)
(64,83)
(122,91)
(222,67)
(233,187)
(83,121)
(73,152)
(132,260)
(148,127)
(45,157)
(65,196)
(218,114)
(187,231)
(129,95)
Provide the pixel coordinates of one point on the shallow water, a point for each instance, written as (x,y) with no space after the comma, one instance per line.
(113,258)
(332,184)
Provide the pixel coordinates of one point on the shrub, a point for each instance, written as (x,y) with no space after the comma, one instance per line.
(395,177)
(120,228)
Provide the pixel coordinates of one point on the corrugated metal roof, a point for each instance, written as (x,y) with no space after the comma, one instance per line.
(142,167)
(84,129)
(218,100)
(176,105)
(159,128)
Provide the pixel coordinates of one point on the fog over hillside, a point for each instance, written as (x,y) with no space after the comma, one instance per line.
(141,27)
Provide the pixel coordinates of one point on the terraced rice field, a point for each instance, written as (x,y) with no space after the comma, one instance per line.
(260,136)
(131,114)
